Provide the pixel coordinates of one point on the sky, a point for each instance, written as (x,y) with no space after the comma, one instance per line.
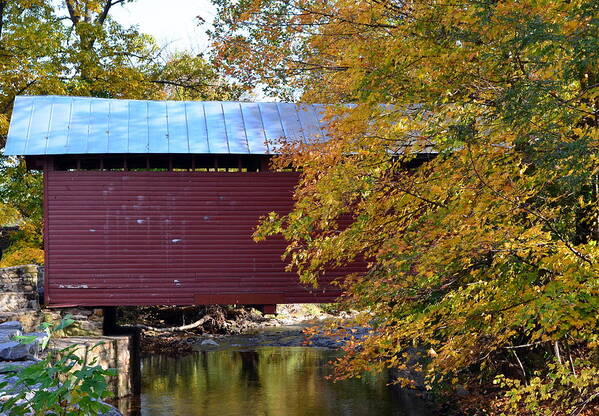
(171,22)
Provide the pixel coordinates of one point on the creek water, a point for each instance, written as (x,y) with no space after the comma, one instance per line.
(265,381)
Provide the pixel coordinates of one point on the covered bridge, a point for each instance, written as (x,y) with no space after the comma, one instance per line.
(155,202)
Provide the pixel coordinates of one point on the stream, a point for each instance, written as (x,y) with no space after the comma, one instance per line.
(264,381)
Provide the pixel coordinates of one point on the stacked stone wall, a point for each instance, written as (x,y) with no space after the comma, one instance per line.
(21,300)
(20,295)
(19,288)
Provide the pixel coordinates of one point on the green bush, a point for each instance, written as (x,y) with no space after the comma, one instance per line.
(61,384)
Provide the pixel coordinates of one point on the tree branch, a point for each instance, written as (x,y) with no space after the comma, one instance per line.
(102,17)
(182,328)
(72,13)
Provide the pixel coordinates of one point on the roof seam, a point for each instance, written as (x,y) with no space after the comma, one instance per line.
(128,123)
(147,127)
(281,121)
(226,130)
(299,121)
(187,128)
(29,126)
(69,125)
(89,118)
(49,124)
(168,139)
(247,142)
(206,126)
(108,118)
(263,129)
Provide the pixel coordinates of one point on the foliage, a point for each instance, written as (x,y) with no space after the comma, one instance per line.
(485,253)
(21,204)
(61,384)
(8,215)
(21,189)
(571,391)
(23,251)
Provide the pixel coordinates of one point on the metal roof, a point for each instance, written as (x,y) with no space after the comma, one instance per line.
(55,125)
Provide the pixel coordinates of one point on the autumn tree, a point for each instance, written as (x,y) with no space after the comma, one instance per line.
(469,168)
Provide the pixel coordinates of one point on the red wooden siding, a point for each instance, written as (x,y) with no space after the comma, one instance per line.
(157,238)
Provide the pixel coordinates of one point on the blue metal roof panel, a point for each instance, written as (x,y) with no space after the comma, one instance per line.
(118,127)
(235,126)
(138,127)
(254,130)
(157,127)
(271,122)
(178,141)
(58,131)
(40,124)
(19,127)
(310,122)
(290,121)
(79,126)
(99,122)
(43,125)
(217,132)
(197,128)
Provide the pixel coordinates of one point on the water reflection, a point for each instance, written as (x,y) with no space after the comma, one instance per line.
(269,381)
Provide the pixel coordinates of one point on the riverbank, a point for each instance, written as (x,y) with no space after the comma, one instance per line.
(275,336)
(253,330)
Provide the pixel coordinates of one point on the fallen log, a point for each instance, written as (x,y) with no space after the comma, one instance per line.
(182,328)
